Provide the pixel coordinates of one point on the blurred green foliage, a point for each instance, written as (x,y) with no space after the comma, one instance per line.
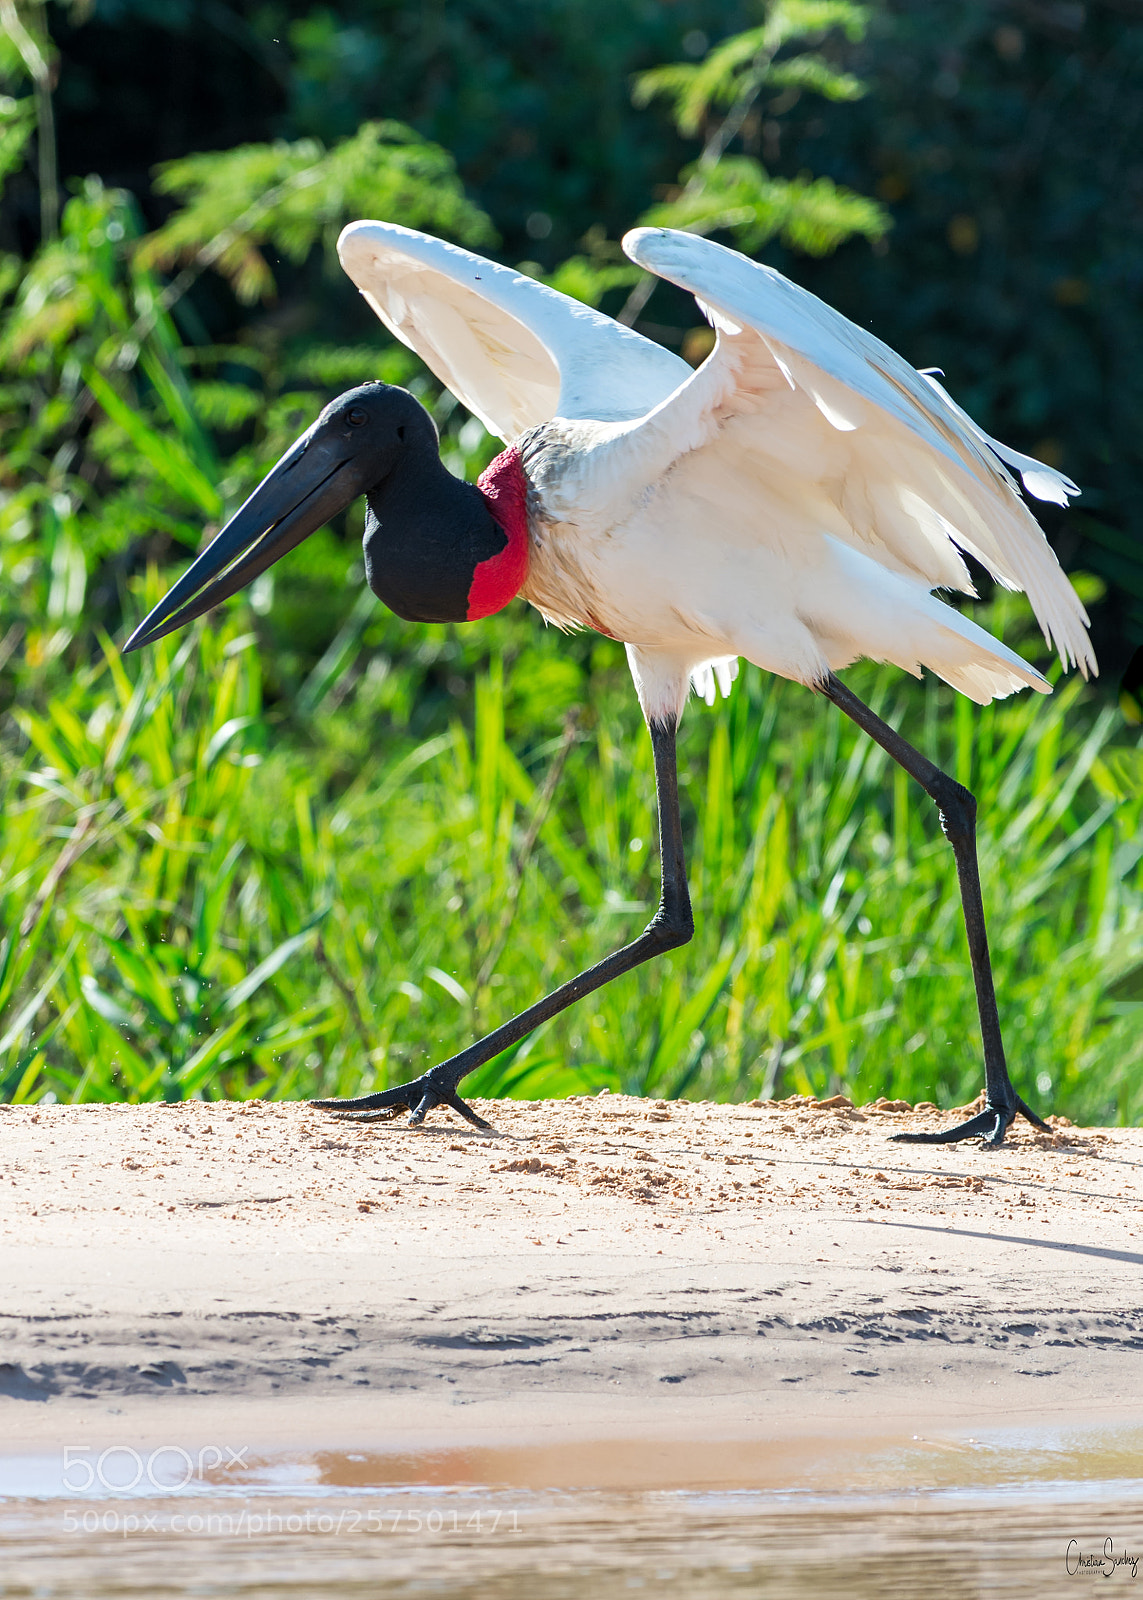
(309,847)
(735,194)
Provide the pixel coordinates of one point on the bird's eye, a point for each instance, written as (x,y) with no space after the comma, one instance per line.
(401,433)
(356,417)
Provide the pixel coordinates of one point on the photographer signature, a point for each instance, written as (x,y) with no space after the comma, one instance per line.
(1105,1564)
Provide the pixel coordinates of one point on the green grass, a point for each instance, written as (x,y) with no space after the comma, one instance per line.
(200,900)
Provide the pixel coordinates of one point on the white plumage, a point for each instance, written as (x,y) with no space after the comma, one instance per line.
(795,501)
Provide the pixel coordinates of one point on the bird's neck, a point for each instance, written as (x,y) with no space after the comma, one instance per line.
(500,579)
(441,550)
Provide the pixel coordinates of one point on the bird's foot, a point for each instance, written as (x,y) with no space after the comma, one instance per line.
(420,1097)
(993,1122)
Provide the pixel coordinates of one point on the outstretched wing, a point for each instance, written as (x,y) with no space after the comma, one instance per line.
(515,352)
(898,470)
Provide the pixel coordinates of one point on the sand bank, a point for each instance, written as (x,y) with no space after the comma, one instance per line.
(602,1267)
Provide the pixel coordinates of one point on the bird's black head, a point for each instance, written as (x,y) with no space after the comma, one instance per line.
(425,533)
(374,429)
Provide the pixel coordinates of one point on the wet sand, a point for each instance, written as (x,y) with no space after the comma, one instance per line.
(602,1268)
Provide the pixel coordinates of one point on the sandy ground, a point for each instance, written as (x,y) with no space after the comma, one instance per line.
(605,1266)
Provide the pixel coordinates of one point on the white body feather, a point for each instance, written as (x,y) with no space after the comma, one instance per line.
(794,501)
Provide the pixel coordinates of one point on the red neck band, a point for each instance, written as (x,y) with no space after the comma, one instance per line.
(501,577)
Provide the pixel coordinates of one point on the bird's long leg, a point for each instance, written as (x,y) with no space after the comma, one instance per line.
(957,809)
(672,925)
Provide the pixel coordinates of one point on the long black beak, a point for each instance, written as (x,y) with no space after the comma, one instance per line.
(315,479)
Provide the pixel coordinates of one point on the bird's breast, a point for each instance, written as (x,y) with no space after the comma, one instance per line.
(566,579)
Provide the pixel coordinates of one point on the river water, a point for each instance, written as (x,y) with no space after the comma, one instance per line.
(1036,1512)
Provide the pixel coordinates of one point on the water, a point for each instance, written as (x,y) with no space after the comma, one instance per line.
(1030,1512)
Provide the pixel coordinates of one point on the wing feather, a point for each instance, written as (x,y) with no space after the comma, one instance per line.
(909,478)
(515,352)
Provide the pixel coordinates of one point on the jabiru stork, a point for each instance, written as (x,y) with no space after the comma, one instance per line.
(793,501)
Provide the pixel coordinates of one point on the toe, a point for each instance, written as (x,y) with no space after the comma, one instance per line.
(990,1123)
